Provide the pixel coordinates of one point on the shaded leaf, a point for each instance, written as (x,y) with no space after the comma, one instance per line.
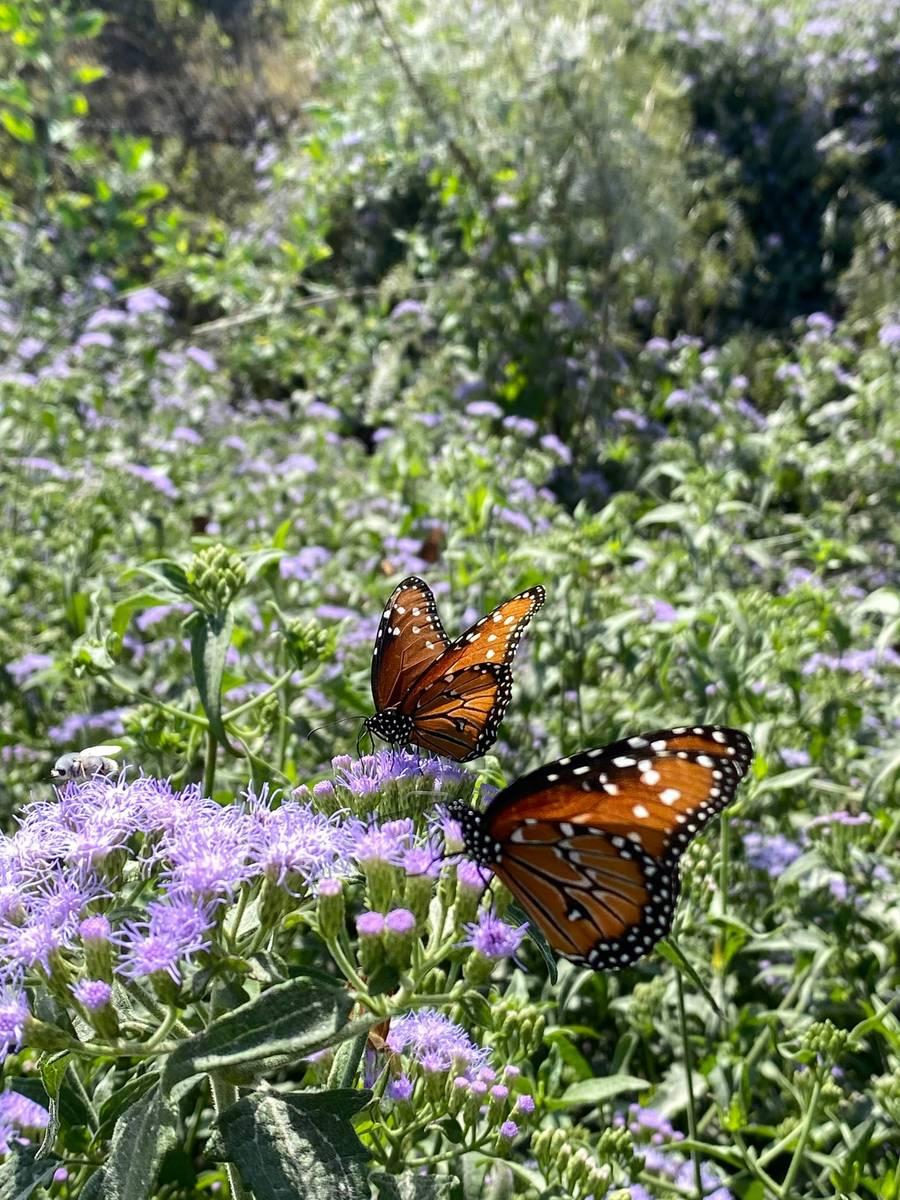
(293,1019)
(410,1186)
(21,1173)
(597,1091)
(143,1135)
(284,1153)
(210,639)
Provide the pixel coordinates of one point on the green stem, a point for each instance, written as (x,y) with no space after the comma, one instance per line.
(209,766)
(143,698)
(689,1076)
(805,1130)
(224,1095)
(258,699)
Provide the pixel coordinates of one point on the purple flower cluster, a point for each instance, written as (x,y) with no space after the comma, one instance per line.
(772,853)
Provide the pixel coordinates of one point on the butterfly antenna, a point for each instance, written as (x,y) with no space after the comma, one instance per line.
(330,724)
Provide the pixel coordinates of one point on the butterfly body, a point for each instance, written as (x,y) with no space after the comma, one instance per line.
(590,845)
(445,696)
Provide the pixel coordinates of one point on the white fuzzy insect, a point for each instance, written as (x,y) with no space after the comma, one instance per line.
(79,764)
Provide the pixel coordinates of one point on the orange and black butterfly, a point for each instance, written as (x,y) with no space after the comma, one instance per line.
(447,697)
(589,845)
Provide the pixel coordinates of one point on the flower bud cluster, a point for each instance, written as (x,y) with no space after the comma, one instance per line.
(215,575)
(569,1164)
(308,642)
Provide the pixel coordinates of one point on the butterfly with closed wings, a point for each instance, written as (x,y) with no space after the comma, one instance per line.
(589,845)
(447,697)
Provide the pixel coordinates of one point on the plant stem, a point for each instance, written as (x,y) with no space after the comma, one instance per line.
(209,766)
(224,1095)
(800,1150)
(346,1062)
(689,1076)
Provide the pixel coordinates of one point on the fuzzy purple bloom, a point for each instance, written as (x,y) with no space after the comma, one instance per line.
(400,1088)
(428,1033)
(13,1014)
(22,1113)
(509,1130)
(370,924)
(294,839)
(770,853)
(493,938)
(400,921)
(94,994)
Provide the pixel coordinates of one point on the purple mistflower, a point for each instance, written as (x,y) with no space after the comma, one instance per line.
(472,876)
(770,853)
(370,924)
(889,335)
(295,839)
(408,308)
(400,921)
(429,1033)
(155,477)
(74,726)
(552,444)
(524,426)
(211,855)
(20,1112)
(820,321)
(202,358)
(509,1130)
(492,937)
(663,611)
(94,994)
(795,758)
(95,928)
(499,1092)
(304,563)
(628,416)
(46,465)
(484,408)
(184,433)
(514,519)
(32,943)
(96,338)
(61,897)
(145,300)
(421,860)
(525,1104)
(158,945)
(400,1088)
(13,1014)
(105,316)
(368,775)
(22,668)
(841,817)
(383,843)
(158,613)
(161,809)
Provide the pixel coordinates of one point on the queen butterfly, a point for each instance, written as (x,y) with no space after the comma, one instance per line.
(589,845)
(448,697)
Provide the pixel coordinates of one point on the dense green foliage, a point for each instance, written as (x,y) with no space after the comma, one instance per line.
(605,299)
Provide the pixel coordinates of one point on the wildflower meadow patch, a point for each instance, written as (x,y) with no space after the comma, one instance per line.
(370,336)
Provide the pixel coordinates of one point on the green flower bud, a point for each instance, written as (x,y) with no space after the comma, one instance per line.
(307,642)
(383,883)
(417,894)
(165,987)
(330,909)
(273,903)
(399,936)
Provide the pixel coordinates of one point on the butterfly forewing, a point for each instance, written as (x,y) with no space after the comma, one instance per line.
(410,638)
(448,697)
(590,844)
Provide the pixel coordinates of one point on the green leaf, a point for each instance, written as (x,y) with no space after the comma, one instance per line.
(17,125)
(284,1152)
(21,1173)
(87,24)
(210,639)
(787,779)
(143,1135)
(10,18)
(165,572)
(260,559)
(410,1186)
(89,74)
(125,610)
(598,1091)
(294,1019)
(340,1102)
